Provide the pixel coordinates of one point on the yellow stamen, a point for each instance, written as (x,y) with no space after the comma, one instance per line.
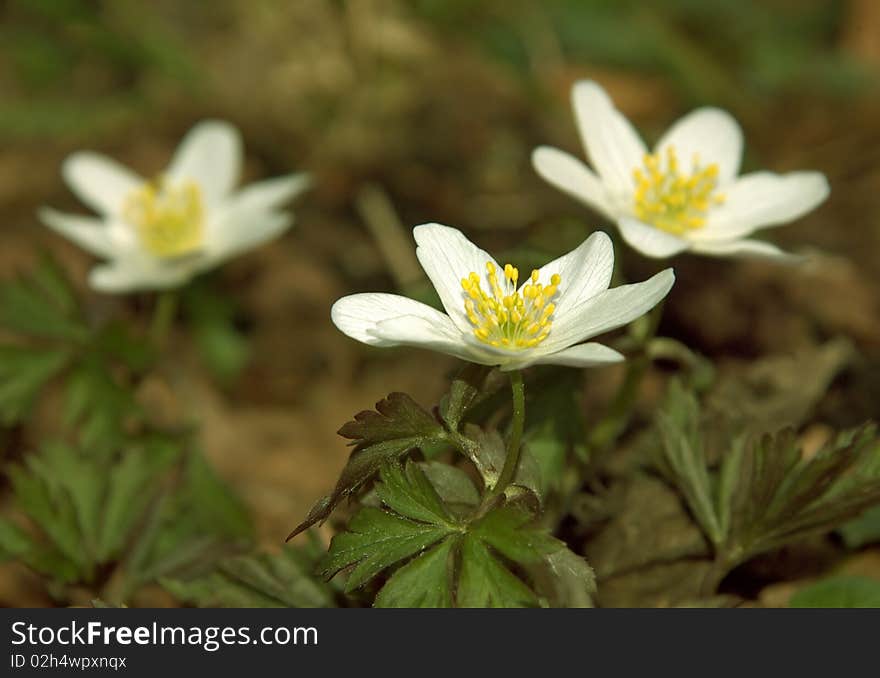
(169,219)
(672,201)
(507,317)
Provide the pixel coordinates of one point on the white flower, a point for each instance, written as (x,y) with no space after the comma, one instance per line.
(686,195)
(160,233)
(493,321)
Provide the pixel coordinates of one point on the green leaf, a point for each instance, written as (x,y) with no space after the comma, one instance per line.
(485,582)
(507,529)
(468,389)
(14,542)
(425,581)
(41,305)
(397,426)
(280,579)
(377,539)
(839,592)
(97,407)
(781,496)
(678,422)
(407,490)
(565,580)
(374,541)
(23,373)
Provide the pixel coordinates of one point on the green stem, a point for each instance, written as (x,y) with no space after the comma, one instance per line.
(514,441)
(163,316)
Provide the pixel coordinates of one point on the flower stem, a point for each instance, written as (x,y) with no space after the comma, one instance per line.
(163,316)
(514,441)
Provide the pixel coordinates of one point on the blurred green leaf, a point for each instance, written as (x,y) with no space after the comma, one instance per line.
(23,374)
(42,305)
(261,580)
(839,592)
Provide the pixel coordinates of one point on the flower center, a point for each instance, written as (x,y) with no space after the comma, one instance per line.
(169,218)
(510,318)
(672,201)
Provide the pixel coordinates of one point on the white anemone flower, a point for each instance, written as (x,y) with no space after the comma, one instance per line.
(159,233)
(492,319)
(685,195)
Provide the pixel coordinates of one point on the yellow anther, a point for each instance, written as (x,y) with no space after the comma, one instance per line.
(672,201)
(506,317)
(169,219)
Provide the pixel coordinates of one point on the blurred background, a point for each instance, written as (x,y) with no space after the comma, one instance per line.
(427,110)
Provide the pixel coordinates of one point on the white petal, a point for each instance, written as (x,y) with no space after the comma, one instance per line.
(448,256)
(419,332)
(128,276)
(235,233)
(608,310)
(585,272)
(210,155)
(269,194)
(581,355)
(650,241)
(763,199)
(613,146)
(357,315)
(101,183)
(89,233)
(571,176)
(744,248)
(710,134)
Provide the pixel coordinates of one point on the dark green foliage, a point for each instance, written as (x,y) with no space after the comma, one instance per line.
(115,525)
(764,492)
(282,579)
(496,557)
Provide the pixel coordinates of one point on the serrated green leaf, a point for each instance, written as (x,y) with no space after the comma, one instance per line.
(406,490)
(398,425)
(374,541)
(280,579)
(485,582)
(678,423)
(23,373)
(839,592)
(424,582)
(569,581)
(507,529)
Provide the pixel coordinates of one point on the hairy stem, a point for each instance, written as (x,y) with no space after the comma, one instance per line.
(514,442)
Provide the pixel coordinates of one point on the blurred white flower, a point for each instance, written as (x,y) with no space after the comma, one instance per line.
(686,195)
(494,320)
(160,233)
